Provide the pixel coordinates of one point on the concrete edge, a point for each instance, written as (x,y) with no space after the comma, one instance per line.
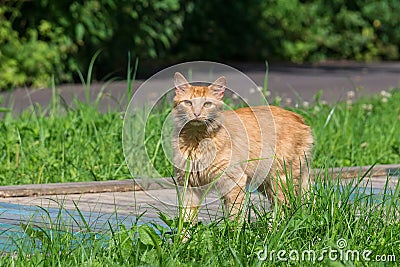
(162,183)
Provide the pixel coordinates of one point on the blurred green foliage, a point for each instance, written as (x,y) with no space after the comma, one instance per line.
(31,57)
(42,38)
(362,30)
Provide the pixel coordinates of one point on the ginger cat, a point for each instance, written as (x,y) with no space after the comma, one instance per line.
(230,149)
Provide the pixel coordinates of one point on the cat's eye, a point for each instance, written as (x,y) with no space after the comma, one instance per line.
(207,104)
(187,103)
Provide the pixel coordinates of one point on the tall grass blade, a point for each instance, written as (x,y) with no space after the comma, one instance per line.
(89,76)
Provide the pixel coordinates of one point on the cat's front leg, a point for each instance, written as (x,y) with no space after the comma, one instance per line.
(190,205)
(234,198)
(189,210)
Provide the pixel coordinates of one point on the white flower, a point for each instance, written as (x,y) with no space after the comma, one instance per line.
(385,94)
(306,104)
(364,145)
(268,93)
(252,90)
(351,94)
(324,103)
(368,107)
(384,100)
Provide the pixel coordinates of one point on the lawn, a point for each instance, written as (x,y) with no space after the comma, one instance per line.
(79,143)
(346,227)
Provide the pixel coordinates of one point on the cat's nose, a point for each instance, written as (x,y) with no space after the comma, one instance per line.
(196,114)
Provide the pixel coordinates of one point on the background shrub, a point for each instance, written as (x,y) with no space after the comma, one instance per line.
(30,58)
(216,30)
(43,38)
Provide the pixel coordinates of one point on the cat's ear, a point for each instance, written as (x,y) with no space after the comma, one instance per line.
(218,87)
(181,84)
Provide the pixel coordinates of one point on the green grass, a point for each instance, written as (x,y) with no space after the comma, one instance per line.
(79,143)
(355,134)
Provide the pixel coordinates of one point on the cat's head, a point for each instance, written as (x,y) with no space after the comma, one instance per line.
(198,105)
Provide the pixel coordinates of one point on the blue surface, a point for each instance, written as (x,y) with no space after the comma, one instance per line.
(14,218)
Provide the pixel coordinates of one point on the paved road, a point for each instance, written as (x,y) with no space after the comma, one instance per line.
(287,81)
